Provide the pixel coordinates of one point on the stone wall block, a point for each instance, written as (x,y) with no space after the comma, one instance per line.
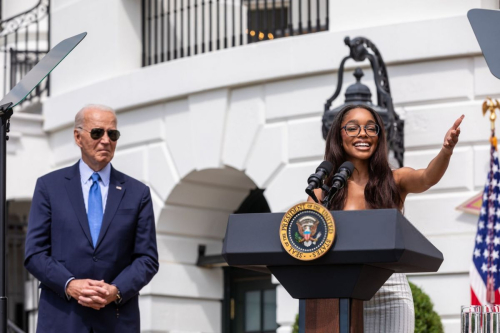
(226,177)
(213,222)
(130,162)
(485,84)
(63,147)
(186,281)
(141,125)
(161,172)
(457,250)
(458,176)
(305,139)
(205,196)
(298,97)
(175,314)
(207,117)
(245,117)
(431,81)
(31,161)
(184,250)
(446,294)
(288,187)
(427,125)
(268,155)
(426,212)
(481,166)
(158,205)
(287,309)
(179,136)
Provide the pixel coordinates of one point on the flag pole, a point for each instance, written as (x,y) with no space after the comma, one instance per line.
(491,105)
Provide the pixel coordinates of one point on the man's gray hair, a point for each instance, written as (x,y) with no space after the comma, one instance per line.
(79,118)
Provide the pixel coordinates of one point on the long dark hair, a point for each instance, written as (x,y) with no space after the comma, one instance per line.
(381,190)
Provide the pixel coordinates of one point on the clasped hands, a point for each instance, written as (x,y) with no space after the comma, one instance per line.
(92,293)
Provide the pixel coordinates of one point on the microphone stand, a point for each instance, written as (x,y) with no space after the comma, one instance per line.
(326,199)
(328,194)
(339,181)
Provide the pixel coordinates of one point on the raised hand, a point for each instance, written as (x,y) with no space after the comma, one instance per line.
(451,137)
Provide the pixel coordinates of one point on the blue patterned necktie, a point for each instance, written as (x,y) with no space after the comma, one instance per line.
(94,213)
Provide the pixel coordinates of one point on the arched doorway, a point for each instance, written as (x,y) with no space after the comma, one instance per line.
(217,298)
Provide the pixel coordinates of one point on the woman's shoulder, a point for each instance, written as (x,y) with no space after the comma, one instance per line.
(400,173)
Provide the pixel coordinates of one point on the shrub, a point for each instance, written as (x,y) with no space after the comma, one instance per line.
(426,319)
(295,327)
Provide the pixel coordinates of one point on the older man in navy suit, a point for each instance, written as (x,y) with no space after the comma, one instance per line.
(91,237)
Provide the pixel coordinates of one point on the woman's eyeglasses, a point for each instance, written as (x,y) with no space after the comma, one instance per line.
(97,133)
(354,129)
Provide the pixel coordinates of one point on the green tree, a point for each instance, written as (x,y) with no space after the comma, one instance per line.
(426,319)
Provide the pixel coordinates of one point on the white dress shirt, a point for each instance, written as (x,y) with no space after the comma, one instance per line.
(85,174)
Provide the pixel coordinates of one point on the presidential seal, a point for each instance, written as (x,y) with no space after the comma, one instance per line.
(307,231)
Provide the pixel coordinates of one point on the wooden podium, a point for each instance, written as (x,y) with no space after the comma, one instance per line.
(369,246)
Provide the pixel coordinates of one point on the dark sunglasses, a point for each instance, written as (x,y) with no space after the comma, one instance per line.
(97,133)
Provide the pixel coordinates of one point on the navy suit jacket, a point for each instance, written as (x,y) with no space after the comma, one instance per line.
(59,246)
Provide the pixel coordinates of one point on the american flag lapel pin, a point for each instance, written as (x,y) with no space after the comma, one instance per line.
(119,188)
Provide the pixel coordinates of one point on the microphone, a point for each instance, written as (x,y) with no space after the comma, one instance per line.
(340,178)
(339,181)
(317,179)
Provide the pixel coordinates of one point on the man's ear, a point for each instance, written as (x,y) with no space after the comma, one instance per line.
(76,134)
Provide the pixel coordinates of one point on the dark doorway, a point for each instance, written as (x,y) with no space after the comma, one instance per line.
(255,202)
(249,303)
(17,276)
(252,301)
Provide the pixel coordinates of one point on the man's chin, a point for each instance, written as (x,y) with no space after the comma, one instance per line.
(104,157)
(103,160)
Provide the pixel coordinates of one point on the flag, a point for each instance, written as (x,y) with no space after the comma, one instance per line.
(485,268)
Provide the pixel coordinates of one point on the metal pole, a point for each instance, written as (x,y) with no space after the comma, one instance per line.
(5,113)
(302,315)
(344,312)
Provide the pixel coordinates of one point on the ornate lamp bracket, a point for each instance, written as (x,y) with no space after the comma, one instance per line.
(360,49)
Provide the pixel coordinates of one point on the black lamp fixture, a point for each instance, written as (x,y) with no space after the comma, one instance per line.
(358,94)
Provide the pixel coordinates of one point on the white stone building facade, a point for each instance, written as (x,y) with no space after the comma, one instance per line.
(204,130)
